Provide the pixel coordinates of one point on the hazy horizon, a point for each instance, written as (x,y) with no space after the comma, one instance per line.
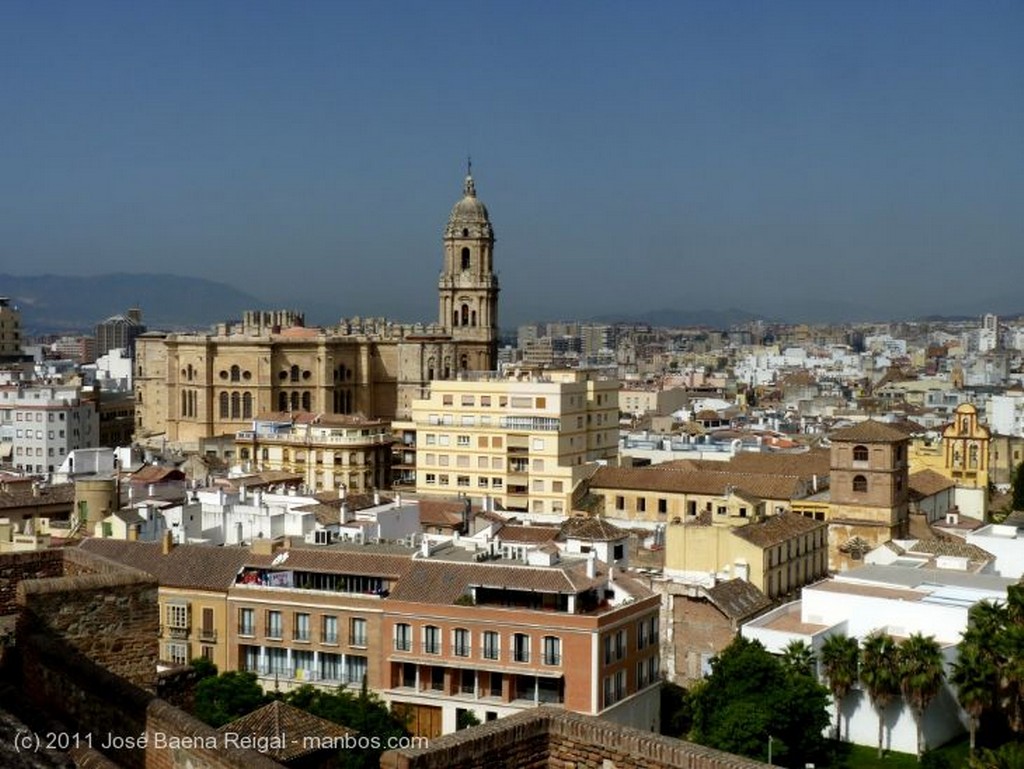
(857,157)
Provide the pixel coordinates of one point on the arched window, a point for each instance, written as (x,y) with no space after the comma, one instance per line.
(295,401)
(305,401)
(455,317)
(860,483)
(465,315)
(236,373)
(236,405)
(860,453)
(465,258)
(223,405)
(282,401)
(184,403)
(972,454)
(247,405)
(464,362)
(472,320)
(295,373)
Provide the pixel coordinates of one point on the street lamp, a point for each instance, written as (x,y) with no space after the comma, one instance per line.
(770,739)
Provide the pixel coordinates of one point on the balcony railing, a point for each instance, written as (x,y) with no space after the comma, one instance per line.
(431,647)
(176,631)
(316,440)
(403,645)
(552,659)
(247,630)
(208,634)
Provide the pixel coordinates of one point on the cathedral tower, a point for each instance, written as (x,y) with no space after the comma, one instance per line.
(468,287)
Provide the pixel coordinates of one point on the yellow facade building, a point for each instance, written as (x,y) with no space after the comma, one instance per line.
(525,439)
(194,386)
(329,451)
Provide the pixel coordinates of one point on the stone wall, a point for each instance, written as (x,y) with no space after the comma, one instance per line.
(550,738)
(18,567)
(111,617)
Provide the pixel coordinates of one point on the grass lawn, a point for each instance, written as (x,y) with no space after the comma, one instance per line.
(863,757)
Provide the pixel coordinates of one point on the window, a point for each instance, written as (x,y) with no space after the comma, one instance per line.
(620,644)
(177,616)
(462,440)
(246,622)
(357,632)
(860,483)
(355,669)
(302,632)
(492,646)
(302,664)
(274,625)
(521,647)
(641,504)
(860,453)
(430,478)
(462,480)
(403,637)
(330,630)
(467,400)
(641,634)
(177,654)
(552,650)
(442,480)
(620,503)
(460,639)
(662,506)
(431,640)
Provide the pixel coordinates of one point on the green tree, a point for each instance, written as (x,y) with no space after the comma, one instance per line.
(976,680)
(223,698)
(204,668)
(1018,487)
(840,658)
(363,711)
(880,675)
(751,695)
(676,711)
(919,661)
(1008,756)
(799,656)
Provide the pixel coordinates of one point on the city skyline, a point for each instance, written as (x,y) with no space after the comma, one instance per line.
(850,157)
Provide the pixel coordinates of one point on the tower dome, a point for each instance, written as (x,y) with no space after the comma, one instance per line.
(469,217)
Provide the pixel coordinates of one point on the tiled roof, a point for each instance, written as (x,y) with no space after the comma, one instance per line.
(21,495)
(776,529)
(156,474)
(737,599)
(925,483)
(365,561)
(202,567)
(870,431)
(440,582)
(528,533)
(279,718)
(806,465)
(594,529)
(265,478)
(683,482)
(439,512)
(952,547)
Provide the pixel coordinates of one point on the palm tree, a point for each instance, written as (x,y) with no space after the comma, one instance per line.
(921,675)
(840,657)
(879,674)
(976,679)
(799,657)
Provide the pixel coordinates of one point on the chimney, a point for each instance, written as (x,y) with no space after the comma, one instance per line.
(166,543)
(814,483)
(152,490)
(342,491)
(346,517)
(398,499)
(591,564)
(425,548)
(376,497)
(258,497)
(241,493)
(133,533)
(611,573)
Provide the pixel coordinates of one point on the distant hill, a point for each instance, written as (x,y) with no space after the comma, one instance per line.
(52,304)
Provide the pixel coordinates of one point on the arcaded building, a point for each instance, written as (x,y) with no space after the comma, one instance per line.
(191,386)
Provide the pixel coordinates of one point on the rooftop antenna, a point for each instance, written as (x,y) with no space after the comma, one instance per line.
(469,165)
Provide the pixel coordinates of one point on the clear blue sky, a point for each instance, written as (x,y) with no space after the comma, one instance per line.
(633,156)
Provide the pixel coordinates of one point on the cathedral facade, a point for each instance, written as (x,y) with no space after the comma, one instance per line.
(193,386)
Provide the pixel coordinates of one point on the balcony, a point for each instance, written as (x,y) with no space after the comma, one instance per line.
(176,632)
(208,634)
(515,490)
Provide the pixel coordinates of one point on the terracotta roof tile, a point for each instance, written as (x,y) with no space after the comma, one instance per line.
(528,534)
(673,481)
(363,561)
(870,431)
(925,483)
(738,599)
(202,567)
(279,718)
(776,529)
(595,529)
(21,495)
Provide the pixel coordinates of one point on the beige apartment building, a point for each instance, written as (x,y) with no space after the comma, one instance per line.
(330,451)
(525,439)
(194,386)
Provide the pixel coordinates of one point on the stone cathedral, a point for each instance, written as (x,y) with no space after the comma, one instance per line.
(191,386)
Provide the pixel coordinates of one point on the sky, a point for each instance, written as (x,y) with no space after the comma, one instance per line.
(859,158)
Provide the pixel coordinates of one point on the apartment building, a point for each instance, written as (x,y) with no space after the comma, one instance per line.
(194,581)
(330,451)
(777,554)
(43,423)
(500,635)
(120,332)
(525,439)
(10,330)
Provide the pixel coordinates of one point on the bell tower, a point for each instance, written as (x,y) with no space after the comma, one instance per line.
(468,287)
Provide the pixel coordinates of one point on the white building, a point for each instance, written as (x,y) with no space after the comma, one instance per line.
(898,600)
(1006,543)
(1006,413)
(41,424)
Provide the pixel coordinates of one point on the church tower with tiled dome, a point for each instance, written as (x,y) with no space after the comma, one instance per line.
(468,287)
